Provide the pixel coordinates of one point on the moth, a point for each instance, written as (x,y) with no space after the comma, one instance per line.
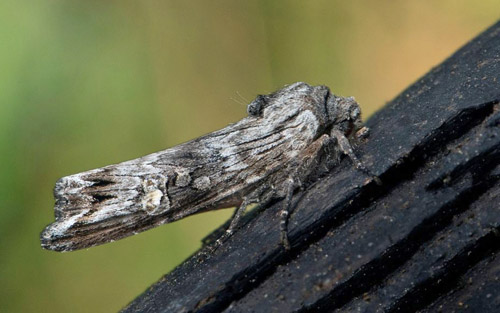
(289,139)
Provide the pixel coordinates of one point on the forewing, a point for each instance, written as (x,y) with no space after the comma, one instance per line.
(210,172)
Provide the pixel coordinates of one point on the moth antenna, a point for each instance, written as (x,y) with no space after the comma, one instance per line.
(237,101)
(244,99)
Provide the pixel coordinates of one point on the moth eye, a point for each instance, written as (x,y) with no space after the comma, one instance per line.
(355,111)
(255,107)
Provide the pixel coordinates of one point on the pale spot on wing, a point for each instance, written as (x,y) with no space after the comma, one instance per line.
(152,201)
(182,178)
(202,183)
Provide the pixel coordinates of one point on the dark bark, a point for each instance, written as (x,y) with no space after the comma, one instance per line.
(426,239)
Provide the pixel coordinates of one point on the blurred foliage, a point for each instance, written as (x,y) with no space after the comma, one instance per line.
(84,84)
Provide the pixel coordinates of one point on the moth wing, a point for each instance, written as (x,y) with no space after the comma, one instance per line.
(210,172)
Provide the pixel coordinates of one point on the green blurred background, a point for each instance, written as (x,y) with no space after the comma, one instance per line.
(84,84)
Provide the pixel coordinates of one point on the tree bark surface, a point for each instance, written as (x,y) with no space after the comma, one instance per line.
(426,239)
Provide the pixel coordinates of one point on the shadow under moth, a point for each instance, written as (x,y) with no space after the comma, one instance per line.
(289,139)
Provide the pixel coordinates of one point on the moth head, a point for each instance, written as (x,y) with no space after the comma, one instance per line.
(330,110)
(344,114)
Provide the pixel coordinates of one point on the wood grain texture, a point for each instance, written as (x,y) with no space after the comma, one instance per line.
(427,239)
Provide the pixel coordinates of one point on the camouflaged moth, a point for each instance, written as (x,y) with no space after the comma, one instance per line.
(289,138)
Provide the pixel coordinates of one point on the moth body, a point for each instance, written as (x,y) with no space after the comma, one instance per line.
(289,137)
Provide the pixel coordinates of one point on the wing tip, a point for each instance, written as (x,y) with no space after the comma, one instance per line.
(50,240)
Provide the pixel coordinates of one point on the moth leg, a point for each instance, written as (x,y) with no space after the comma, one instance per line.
(306,165)
(362,133)
(346,148)
(234,221)
(285,213)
